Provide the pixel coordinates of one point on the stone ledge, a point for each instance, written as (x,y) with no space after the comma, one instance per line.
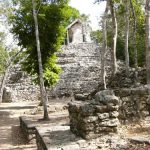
(56,137)
(140,140)
(60,137)
(27,128)
(28,124)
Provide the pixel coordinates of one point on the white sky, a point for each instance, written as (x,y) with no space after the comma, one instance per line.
(84,6)
(89,8)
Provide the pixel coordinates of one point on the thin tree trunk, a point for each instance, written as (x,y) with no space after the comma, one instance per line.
(127,37)
(115,32)
(147,30)
(134,42)
(134,35)
(42,87)
(104,49)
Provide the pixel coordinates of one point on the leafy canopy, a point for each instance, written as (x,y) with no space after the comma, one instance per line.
(53,17)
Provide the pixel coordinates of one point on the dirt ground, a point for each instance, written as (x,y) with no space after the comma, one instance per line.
(10,134)
(11,137)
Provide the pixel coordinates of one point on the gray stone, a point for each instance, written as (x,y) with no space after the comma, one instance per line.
(114,114)
(90,119)
(107,96)
(102,109)
(110,123)
(140,140)
(87,110)
(102,116)
(7,95)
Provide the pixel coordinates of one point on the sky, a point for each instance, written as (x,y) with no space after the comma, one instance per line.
(84,6)
(89,8)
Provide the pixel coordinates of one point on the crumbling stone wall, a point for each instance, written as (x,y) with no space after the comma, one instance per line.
(134,103)
(81,69)
(95,118)
(19,87)
(81,74)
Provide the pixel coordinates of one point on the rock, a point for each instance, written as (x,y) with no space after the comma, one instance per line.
(102,116)
(114,114)
(7,95)
(90,119)
(140,140)
(110,123)
(80,97)
(87,110)
(102,109)
(106,96)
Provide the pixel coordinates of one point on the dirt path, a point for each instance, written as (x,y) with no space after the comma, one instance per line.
(10,135)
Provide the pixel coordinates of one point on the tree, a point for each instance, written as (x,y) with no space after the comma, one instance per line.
(97,36)
(3,52)
(42,87)
(136,40)
(115,33)
(134,34)
(111,4)
(126,3)
(53,18)
(104,49)
(147,30)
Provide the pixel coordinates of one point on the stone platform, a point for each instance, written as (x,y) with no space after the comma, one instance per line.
(60,138)
(28,124)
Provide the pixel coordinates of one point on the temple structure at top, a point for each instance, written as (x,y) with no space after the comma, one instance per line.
(78,32)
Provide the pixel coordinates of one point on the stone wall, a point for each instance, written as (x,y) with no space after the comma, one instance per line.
(19,87)
(134,103)
(81,69)
(95,118)
(102,115)
(81,73)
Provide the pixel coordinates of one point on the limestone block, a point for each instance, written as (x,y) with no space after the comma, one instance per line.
(103,109)
(86,126)
(107,96)
(87,110)
(90,119)
(74,107)
(125,92)
(110,123)
(105,129)
(102,116)
(114,114)
(7,95)
(139,91)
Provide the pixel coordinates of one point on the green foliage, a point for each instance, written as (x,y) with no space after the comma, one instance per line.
(97,36)
(52,19)
(3,58)
(121,33)
(3,54)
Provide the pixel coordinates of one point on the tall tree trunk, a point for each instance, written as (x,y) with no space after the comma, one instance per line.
(42,87)
(127,37)
(104,49)
(147,30)
(134,42)
(134,35)
(115,32)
